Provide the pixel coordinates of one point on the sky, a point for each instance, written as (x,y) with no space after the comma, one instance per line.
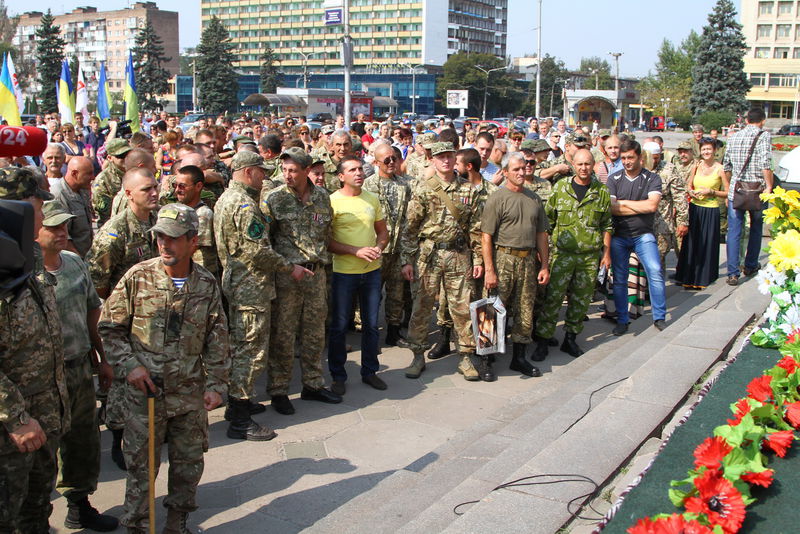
(572,28)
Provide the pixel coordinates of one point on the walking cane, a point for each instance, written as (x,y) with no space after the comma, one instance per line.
(151,460)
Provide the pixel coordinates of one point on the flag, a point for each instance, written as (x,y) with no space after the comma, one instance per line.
(65,94)
(129,96)
(103,96)
(8,102)
(17,91)
(82,98)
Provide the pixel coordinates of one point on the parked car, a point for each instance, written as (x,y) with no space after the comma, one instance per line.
(501,129)
(789,129)
(320,117)
(787,173)
(191,119)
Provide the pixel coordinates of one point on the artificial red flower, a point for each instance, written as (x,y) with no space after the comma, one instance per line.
(742,409)
(711,452)
(759,388)
(718,500)
(787,362)
(793,414)
(779,442)
(764,478)
(793,337)
(674,524)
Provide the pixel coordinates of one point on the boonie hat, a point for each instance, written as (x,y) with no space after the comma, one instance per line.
(298,155)
(55,214)
(577,139)
(441,147)
(118,147)
(685,145)
(652,147)
(19,184)
(175,220)
(427,140)
(540,145)
(246,159)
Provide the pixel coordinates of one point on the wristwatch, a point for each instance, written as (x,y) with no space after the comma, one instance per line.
(24,418)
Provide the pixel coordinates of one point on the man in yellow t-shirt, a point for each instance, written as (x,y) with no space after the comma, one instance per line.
(359,236)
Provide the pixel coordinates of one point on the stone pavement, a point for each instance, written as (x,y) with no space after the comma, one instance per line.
(387,461)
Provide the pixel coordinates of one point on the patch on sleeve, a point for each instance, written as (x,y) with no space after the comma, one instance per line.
(256,229)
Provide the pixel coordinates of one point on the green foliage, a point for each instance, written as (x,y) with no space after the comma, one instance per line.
(49,54)
(554,75)
(719,81)
(715,120)
(217,82)
(460,72)
(603,77)
(672,78)
(271,75)
(117,105)
(152,79)
(683,119)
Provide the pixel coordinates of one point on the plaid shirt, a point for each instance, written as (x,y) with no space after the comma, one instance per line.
(736,155)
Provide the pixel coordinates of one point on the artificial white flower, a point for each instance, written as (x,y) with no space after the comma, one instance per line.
(768,279)
(791,320)
(772,311)
(784,298)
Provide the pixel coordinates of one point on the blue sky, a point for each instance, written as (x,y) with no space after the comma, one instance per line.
(572,28)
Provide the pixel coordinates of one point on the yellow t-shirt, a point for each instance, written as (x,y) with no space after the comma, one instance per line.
(712,181)
(354,224)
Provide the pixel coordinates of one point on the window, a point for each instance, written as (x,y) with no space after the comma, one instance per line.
(783,30)
(780,53)
(758,80)
(781,110)
(785,8)
(764,31)
(796,53)
(783,80)
(761,52)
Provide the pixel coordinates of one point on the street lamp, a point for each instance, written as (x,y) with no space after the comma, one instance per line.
(616,60)
(596,73)
(552,91)
(305,65)
(414,87)
(486,87)
(666,102)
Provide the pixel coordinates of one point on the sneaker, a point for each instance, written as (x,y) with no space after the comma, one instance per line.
(733,280)
(620,329)
(661,324)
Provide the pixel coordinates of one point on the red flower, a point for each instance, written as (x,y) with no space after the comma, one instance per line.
(674,524)
(711,452)
(742,409)
(719,500)
(764,478)
(787,362)
(793,337)
(760,389)
(779,442)
(793,414)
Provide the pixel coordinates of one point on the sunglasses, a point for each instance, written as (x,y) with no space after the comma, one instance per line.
(530,162)
(390,159)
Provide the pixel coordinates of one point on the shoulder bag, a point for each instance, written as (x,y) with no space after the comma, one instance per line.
(747,195)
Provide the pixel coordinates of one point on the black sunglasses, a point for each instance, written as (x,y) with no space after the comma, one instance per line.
(390,159)
(530,162)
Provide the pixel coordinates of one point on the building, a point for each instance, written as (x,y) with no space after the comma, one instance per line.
(94,36)
(606,107)
(524,68)
(772,62)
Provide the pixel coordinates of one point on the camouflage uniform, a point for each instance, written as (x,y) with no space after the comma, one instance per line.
(556,161)
(248,283)
(181,337)
(206,253)
(394,194)
(577,233)
(416,165)
(544,189)
(673,209)
(105,187)
(299,233)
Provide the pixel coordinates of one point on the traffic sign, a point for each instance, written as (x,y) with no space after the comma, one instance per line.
(333,16)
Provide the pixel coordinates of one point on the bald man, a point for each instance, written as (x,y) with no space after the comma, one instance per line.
(137,158)
(73,192)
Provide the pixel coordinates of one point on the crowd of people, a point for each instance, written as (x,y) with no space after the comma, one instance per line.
(184,266)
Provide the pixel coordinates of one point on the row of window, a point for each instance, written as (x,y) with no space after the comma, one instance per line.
(785,8)
(782,31)
(354,15)
(331,43)
(335,55)
(760,79)
(236,31)
(779,52)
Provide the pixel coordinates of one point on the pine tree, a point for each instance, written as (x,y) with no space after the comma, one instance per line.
(49,54)
(152,79)
(217,81)
(720,83)
(271,76)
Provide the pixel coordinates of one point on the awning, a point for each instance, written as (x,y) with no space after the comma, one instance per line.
(384,102)
(261,99)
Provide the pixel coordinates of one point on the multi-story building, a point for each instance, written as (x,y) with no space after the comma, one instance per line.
(94,36)
(772,62)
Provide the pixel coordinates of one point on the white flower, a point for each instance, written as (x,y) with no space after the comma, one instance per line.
(768,279)
(772,311)
(791,320)
(784,298)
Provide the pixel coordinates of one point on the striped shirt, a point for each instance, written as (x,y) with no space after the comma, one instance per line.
(736,155)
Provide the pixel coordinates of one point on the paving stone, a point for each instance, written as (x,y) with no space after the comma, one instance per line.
(520,513)
(305,449)
(456,409)
(373,413)
(434,382)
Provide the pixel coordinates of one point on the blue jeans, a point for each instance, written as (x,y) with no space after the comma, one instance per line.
(368,288)
(646,249)
(733,241)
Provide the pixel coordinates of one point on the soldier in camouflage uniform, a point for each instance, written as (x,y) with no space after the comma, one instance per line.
(120,244)
(442,250)
(248,283)
(417,163)
(341,146)
(299,216)
(137,157)
(165,332)
(189,186)
(562,166)
(394,191)
(672,217)
(79,309)
(34,405)
(514,229)
(107,184)
(579,211)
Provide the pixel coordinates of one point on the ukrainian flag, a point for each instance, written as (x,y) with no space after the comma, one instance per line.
(8,101)
(103,96)
(65,93)
(130,98)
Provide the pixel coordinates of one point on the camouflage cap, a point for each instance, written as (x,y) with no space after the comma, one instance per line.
(527,144)
(246,159)
(55,213)
(540,145)
(685,145)
(605,132)
(118,147)
(19,184)
(175,220)
(577,139)
(698,128)
(298,155)
(328,129)
(243,139)
(441,148)
(427,140)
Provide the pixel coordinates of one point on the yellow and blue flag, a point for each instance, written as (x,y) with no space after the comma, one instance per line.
(103,96)
(65,93)
(8,101)
(130,98)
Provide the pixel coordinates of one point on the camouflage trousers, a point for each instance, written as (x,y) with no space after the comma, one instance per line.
(187,440)
(115,405)
(393,285)
(666,242)
(452,271)
(572,275)
(79,449)
(443,317)
(249,338)
(26,481)
(517,287)
(297,312)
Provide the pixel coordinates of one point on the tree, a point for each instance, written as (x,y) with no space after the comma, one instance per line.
(152,79)
(460,72)
(217,82)
(186,60)
(596,69)
(271,76)
(49,54)
(719,81)
(672,77)
(553,77)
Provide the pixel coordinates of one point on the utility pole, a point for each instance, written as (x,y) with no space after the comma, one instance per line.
(616,60)
(347,61)
(538,65)
(596,73)
(486,87)
(414,87)
(305,65)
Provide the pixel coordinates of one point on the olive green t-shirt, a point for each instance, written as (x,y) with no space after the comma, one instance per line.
(513,219)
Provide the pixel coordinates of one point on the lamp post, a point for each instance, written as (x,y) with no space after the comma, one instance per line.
(538,64)
(616,60)
(486,87)
(414,87)
(596,73)
(305,65)
(666,102)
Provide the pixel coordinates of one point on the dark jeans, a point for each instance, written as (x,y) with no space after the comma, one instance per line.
(647,250)
(343,287)
(735,226)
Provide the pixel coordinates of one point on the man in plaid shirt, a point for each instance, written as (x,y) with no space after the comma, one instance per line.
(758,170)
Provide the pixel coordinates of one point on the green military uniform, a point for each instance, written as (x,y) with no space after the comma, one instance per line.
(417,165)
(206,253)
(105,187)
(543,188)
(299,232)
(556,161)
(577,229)
(332,182)
(673,209)
(181,337)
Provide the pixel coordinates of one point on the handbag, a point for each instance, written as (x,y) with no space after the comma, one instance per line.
(747,195)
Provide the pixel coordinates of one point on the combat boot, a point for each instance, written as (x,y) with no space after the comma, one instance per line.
(485,368)
(442,347)
(176,523)
(417,366)
(242,425)
(81,514)
(520,364)
(466,368)
(392,335)
(116,448)
(253,407)
(540,353)
(570,346)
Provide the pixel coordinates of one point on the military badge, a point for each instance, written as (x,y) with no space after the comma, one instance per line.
(256,229)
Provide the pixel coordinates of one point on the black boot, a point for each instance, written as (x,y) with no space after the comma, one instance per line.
(116,448)
(253,407)
(520,364)
(569,346)
(81,514)
(392,335)
(442,347)
(540,353)
(243,427)
(485,369)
